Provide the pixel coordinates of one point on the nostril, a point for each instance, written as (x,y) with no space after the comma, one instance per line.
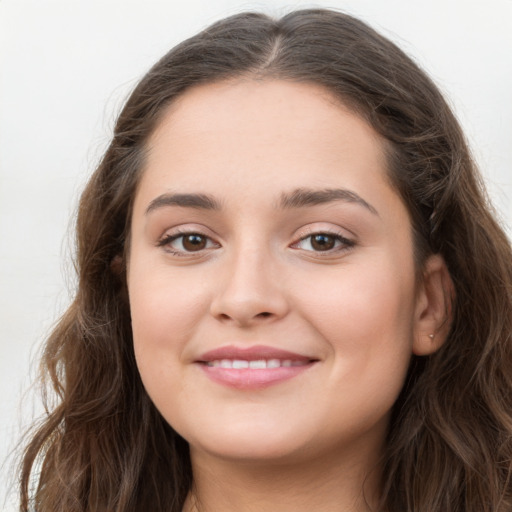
(265,314)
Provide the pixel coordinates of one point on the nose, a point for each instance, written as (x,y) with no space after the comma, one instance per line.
(251,291)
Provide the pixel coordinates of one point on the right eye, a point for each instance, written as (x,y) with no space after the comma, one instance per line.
(183,243)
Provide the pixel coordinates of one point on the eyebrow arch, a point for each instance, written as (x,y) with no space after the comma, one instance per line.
(298,198)
(302,197)
(199,201)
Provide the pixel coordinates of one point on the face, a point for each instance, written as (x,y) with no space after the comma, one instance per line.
(270,275)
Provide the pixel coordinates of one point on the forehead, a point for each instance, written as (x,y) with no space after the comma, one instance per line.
(262,129)
(261,100)
(269,107)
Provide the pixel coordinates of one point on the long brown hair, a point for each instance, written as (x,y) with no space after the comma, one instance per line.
(104,447)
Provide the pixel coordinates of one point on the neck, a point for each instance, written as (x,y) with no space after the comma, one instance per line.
(332,484)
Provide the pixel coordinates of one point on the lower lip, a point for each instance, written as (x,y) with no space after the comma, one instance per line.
(247,378)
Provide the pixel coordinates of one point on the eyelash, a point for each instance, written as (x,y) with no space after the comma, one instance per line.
(345,243)
(168,239)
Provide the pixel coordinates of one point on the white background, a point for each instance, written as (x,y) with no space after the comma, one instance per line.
(66,67)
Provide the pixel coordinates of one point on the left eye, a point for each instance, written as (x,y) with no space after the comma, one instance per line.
(322,242)
(187,242)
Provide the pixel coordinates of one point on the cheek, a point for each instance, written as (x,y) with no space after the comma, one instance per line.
(365,297)
(367,320)
(366,323)
(165,313)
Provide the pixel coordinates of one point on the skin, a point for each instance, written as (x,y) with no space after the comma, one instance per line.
(358,309)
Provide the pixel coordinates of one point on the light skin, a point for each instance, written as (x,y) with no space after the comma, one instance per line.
(265,216)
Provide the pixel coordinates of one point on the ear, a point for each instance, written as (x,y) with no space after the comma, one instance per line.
(117,265)
(434,300)
(118,268)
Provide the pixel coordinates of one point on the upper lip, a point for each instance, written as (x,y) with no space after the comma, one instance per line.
(252,353)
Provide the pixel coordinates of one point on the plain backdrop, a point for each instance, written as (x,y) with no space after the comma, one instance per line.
(66,67)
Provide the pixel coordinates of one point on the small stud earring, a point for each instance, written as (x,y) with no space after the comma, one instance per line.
(431,336)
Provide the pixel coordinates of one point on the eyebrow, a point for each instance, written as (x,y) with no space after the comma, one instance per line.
(199,201)
(299,198)
(302,197)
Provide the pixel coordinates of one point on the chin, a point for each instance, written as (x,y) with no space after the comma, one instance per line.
(255,453)
(250,444)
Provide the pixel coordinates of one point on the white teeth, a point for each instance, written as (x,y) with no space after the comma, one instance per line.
(256,365)
(259,364)
(239,364)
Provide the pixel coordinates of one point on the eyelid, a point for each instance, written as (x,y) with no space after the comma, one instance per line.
(173,234)
(329,229)
(309,231)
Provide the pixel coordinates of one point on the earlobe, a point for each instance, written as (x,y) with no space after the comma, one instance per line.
(434,303)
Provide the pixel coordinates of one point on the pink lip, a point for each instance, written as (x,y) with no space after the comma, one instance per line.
(253,379)
(251,354)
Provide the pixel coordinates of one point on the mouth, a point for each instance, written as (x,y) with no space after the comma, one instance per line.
(257,364)
(253,367)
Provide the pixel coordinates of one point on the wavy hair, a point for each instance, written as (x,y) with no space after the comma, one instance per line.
(104,447)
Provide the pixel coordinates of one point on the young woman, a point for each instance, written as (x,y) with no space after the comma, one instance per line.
(292,293)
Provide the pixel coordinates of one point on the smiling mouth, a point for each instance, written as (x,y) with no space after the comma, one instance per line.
(258,364)
(253,368)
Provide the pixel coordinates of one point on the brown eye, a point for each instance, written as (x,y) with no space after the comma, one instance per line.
(323,242)
(185,243)
(194,242)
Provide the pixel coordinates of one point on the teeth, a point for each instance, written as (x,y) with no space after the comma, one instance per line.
(259,364)
(238,364)
(256,365)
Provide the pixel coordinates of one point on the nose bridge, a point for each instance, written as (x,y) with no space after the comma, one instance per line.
(249,286)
